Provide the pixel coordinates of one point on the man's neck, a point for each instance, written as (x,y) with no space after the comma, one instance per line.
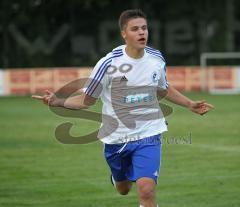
(133,52)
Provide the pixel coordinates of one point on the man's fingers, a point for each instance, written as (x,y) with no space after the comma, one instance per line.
(209,105)
(206,109)
(48,92)
(203,103)
(204,112)
(37,97)
(45,98)
(200,103)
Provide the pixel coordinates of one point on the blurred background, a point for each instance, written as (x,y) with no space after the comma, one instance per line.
(47,33)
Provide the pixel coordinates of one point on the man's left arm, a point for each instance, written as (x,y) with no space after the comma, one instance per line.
(200,107)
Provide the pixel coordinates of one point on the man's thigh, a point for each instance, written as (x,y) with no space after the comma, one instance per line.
(146,160)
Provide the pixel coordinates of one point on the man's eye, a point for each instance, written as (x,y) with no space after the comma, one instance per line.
(134,29)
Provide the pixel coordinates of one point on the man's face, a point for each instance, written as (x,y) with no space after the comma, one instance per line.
(135,33)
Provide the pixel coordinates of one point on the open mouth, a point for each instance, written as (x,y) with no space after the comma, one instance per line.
(142,40)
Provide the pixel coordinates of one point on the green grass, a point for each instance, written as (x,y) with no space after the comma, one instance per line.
(37,170)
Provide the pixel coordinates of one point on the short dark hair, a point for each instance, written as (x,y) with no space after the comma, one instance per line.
(130,14)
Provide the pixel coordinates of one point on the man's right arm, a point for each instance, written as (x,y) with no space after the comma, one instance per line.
(88,95)
(82,101)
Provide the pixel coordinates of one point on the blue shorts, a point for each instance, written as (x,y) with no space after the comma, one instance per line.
(134,160)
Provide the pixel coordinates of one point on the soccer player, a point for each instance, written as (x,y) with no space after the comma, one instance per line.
(129,80)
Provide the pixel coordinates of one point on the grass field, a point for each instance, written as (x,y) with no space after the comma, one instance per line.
(37,170)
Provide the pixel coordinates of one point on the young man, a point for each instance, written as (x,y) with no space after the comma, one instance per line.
(128,80)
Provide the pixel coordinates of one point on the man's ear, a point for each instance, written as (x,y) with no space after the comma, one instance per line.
(123,33)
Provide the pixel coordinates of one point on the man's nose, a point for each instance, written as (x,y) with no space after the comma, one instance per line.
(141,31)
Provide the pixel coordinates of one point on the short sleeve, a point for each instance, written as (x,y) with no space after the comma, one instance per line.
(163,83)
(97,79)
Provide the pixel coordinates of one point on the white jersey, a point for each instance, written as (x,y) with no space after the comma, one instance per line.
(127,88)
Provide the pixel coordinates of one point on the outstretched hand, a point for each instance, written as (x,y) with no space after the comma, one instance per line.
(49,98)
(200,107)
